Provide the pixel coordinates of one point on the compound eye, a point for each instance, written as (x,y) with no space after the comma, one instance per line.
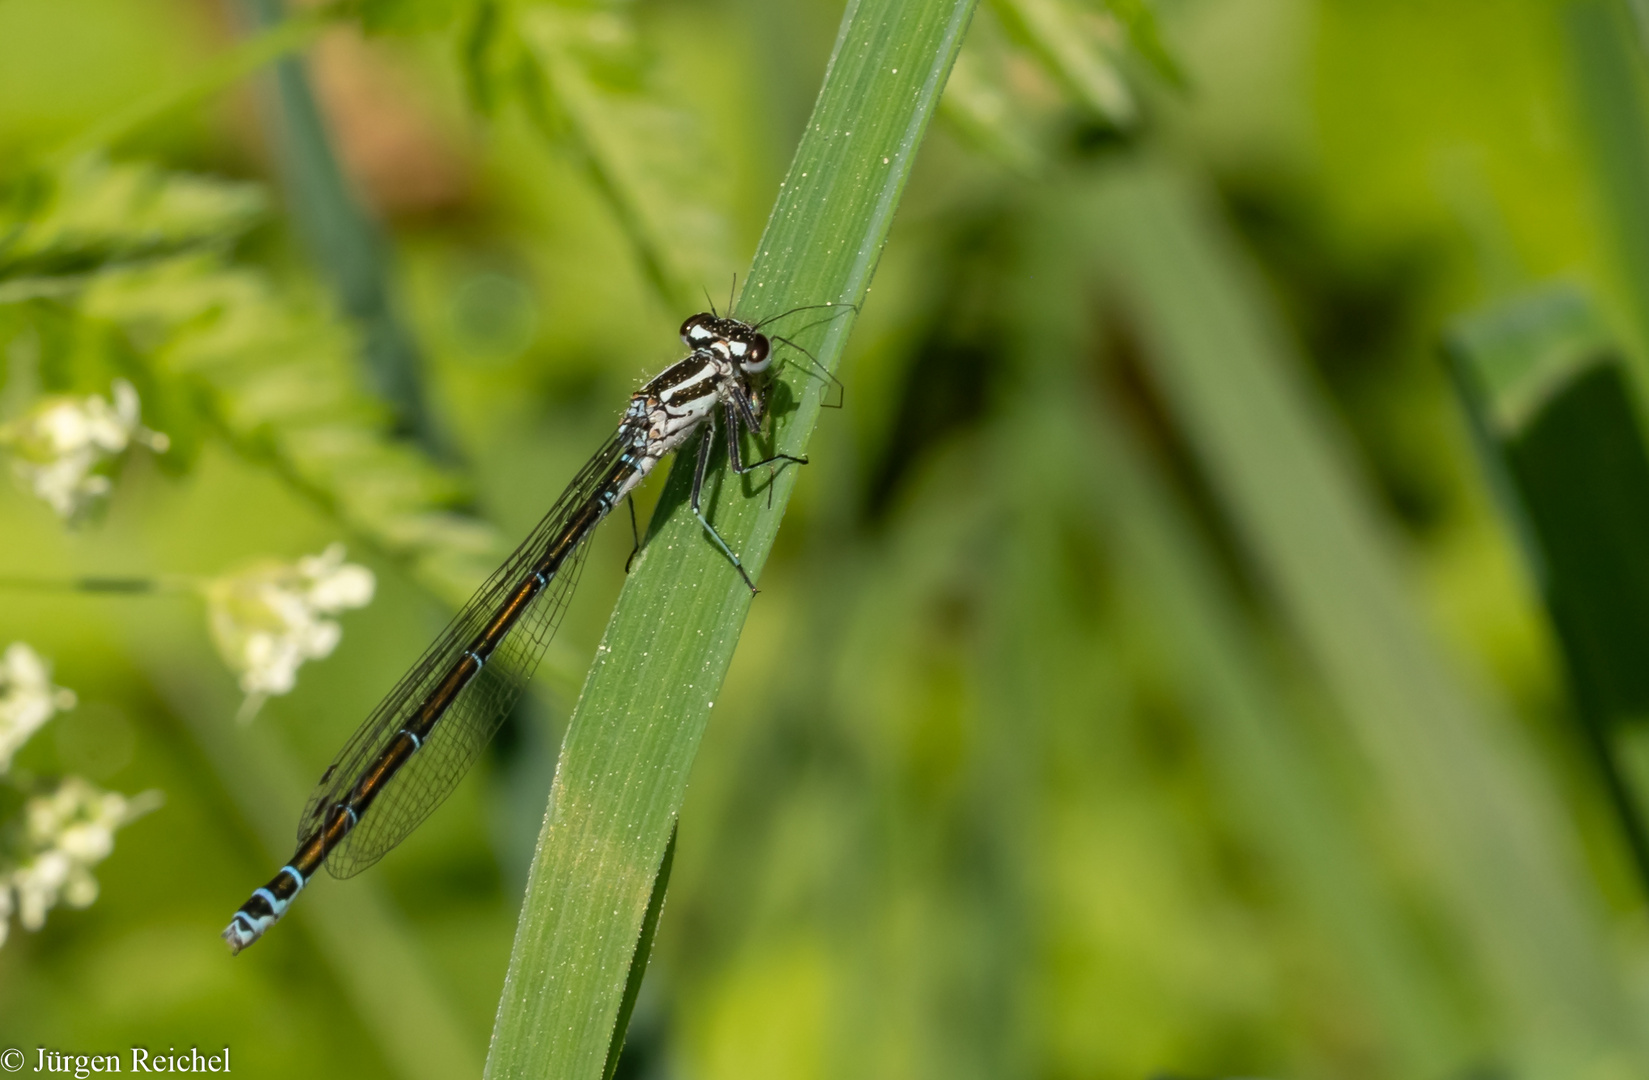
(697,330)
(755,355)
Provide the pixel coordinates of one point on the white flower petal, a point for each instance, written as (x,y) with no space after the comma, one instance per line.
(126,405)
(349,586)
(86,843)
(33,903)
(68,832)
(27,698)
(63,427)
(112,810)
(266,620)
(80,890)
(272,665)
(59,445)
(317,640)
(317,566)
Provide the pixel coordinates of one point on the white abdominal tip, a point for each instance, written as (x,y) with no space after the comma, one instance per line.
(238,936)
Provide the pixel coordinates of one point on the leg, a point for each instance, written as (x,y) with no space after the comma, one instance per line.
(841,391)
(738,410)
(635,531)
(705,441)
(742,469)
(735,453)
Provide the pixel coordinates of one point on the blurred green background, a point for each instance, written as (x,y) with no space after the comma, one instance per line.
(1205,644)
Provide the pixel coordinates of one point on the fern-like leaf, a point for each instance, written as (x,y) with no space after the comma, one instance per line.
(92,215)
(276,373)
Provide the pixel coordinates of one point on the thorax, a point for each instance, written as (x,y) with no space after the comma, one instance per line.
(672,405)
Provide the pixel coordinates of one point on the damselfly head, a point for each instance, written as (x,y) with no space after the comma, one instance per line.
(737,341)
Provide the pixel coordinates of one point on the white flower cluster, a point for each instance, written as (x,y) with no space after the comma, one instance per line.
(27,698)
(267,620)
(65,834)
(58,446)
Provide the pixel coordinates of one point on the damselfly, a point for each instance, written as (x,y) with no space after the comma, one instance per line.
(417,744)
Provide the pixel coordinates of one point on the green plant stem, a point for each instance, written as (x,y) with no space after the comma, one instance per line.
(346,243)
(138,586)
(631,741)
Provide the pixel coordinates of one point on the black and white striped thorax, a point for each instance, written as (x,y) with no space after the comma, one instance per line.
(724,370)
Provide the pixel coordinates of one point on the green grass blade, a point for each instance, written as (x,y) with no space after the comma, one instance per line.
(1462,785)
(631,741)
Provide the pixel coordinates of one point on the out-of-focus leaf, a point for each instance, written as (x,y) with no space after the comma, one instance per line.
(1078,48)
(587,86)
(1546,387)
(1609,76)
(481,40)
(92,215)
(1465,787)
(1145,35)
(979,105)
(1523,354)
(279,377)
(1027,62)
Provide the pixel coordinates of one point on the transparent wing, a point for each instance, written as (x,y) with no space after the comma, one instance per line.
(475,714)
